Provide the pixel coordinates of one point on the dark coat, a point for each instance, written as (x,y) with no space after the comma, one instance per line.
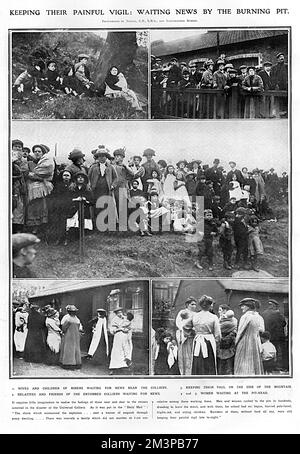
(239,176)
(255,83)
(35,345)
(110,175)
(274,323)
(267,80)
(75,192)
(279,75)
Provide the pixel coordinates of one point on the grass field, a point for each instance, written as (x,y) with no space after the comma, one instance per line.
(127,255)
(66,107)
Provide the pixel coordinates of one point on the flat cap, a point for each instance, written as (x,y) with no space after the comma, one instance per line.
(21,240)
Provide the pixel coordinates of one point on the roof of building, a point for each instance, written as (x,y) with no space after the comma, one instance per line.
(258,285)
(209,39)
(59,287)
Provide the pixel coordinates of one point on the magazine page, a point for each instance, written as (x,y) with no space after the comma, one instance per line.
(149,233)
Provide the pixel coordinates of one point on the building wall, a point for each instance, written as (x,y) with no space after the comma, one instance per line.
(267,49)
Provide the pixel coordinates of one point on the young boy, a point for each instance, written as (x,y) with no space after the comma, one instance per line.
(268,353)
(240,232)
(53,79)
(205,246)
(227,239)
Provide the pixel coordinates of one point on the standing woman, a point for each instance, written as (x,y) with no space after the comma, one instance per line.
(53,335)
(248,346)
(70,353)
(20,334)
(208,335)
(226,349)
(118,357)
(168,187)
(35,345)
(185,337)
(98,350)
(39,187)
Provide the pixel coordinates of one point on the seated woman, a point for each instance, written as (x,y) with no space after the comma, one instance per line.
(116,86)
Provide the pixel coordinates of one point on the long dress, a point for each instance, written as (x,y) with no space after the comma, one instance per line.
(98,348)
(166,359)
(120,345)
(248,346)
(53,339)
(70,353)
(208,334)
(35,346)
(168,188)
(21,330)
(125,93)
(185,339)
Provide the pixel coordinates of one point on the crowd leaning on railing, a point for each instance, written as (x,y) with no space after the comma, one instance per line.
(249,81)
(49,201)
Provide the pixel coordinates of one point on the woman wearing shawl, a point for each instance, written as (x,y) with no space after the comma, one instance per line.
(185,337)
(35,345)
(226,349)
(98,350)
(70,353)
(116,86)
(248,346)
(166,355)
(53,335)
(39,187)
(207,338)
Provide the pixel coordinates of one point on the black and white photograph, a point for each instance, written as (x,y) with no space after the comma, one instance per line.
(219,74)
(100,74)
(99,200)
(79,328)
(225,327)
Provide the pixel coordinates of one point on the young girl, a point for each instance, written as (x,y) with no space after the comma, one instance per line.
(166,356)
(255,245)
(170,178)
(80,194)
(181,193)
(154,184)
(116,86)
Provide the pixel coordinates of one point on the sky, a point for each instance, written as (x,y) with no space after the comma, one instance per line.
(171,35)
(256,143)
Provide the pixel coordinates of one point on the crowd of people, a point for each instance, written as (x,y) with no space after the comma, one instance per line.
(250,81)
(46,77)
(48,336)
(210,344)
(165,197)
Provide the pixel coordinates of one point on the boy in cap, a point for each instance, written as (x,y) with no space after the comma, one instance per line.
(23,254)
(268,353)
(227,239)
(205,246)
(240,231)
(275,324)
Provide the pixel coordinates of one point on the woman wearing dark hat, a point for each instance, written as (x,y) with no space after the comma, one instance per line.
(35,345)
(185,337)
(53,335)
(77,158)
(208,334)
(80,193)
(70,353)
(39,187)
(99,350)
(248,346)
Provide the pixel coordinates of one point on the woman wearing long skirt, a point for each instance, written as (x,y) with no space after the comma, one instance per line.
(166,355)
(70,353)
(118,359)
(185,337)
(35,346)
(20,334)
(53,336)
(248,345)
(226,349)
(99,350)
(207,337)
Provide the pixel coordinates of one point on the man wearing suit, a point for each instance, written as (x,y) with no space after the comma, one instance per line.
(265,74)
(215,175)
(234,170)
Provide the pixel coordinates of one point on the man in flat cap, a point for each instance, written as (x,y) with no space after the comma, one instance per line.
(279,73)
(265,74)
(23,254)
(82,73)
(207,77)
(275,324)
(149,166)
(175,74)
